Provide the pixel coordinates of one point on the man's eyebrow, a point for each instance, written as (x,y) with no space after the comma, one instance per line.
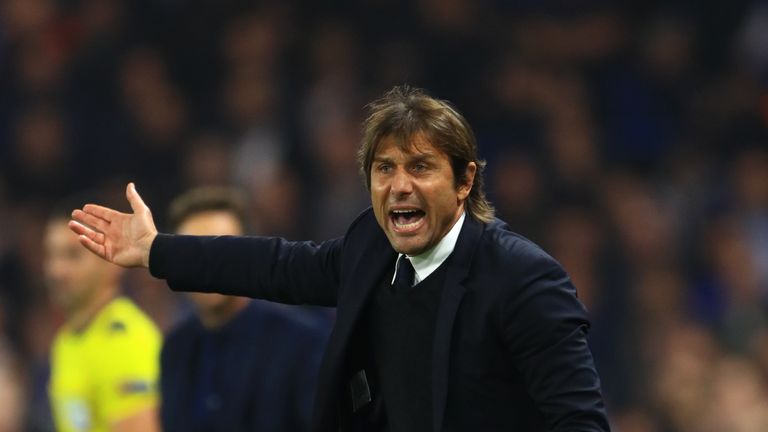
(412,157)
(423,157)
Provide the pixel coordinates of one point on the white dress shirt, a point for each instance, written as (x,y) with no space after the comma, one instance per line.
(427,262)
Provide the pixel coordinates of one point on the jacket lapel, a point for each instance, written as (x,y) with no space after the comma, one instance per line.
(453,293)
(365,265)
(367,268)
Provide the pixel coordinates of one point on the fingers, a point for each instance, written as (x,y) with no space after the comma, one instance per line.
(86,232)
(92,240)
(91,220)
(137,204)
(100,211)
(92,246)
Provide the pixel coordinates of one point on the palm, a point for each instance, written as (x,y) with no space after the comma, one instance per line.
(121,238)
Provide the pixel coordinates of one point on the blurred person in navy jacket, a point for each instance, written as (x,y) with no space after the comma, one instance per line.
(446,320)
(237,364)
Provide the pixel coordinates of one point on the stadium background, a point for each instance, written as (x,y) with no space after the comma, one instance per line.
(628,139)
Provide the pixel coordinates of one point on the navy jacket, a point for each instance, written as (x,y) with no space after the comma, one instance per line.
(509,350)
(255,380)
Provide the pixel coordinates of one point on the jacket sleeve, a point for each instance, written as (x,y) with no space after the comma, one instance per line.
(260,267)
(544,327)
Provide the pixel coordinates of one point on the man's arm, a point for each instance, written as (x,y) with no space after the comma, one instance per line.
(545,327)
(267,268)
(260,267)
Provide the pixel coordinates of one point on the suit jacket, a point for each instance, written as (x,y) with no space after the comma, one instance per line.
(508,321)
(269,390)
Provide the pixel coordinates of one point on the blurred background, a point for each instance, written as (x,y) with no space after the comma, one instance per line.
(630,140)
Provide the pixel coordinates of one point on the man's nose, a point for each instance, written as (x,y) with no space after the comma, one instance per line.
(402,183)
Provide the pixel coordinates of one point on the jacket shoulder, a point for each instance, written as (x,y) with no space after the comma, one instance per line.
(364,231)
(364,221)
(499,239)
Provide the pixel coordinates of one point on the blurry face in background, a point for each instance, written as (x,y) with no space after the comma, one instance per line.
(414,194)
(73,274)
(216,222)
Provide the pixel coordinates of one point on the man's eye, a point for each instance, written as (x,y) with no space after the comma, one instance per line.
(420,167)
(384,168)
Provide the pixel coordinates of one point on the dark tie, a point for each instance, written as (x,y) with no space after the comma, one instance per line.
(404,276)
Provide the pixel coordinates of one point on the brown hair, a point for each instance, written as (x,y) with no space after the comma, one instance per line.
(405,112)
(207,199)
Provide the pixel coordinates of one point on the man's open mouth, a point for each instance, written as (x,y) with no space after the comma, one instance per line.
(405,219)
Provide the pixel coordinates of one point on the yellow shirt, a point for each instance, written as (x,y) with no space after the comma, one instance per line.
(107,372)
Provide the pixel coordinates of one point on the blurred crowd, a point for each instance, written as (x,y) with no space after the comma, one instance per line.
(629,139)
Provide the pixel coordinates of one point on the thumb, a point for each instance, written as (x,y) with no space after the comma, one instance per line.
(137,204)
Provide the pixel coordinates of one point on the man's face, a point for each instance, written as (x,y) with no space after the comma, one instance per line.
(414,194)
(215,222)
(73,275)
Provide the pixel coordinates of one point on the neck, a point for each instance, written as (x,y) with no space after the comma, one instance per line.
(80,318)
(216,317)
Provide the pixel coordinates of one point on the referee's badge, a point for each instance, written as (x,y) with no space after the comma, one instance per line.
(136,386)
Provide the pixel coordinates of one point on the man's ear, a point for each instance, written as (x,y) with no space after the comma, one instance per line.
(469,179)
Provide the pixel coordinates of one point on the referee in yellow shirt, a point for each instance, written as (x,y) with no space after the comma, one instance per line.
(104,360)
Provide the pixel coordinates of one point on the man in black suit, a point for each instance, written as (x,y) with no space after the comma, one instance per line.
(272,388)
(446,320)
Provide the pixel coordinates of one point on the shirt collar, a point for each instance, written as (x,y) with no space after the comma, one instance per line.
(426,263)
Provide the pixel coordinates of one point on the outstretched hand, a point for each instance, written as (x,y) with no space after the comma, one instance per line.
(121,238)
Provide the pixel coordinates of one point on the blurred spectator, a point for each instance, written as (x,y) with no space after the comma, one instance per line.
(739,398)
(39,165)
(223,369)
(104,359)
(158,117)
(735,278)
(749,174)
(684,360)
(207,161)
(518,184)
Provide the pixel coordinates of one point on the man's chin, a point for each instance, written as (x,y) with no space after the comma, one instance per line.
(410,247)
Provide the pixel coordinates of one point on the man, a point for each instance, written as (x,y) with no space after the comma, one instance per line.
(227,368)
(104,359)
(446,320)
